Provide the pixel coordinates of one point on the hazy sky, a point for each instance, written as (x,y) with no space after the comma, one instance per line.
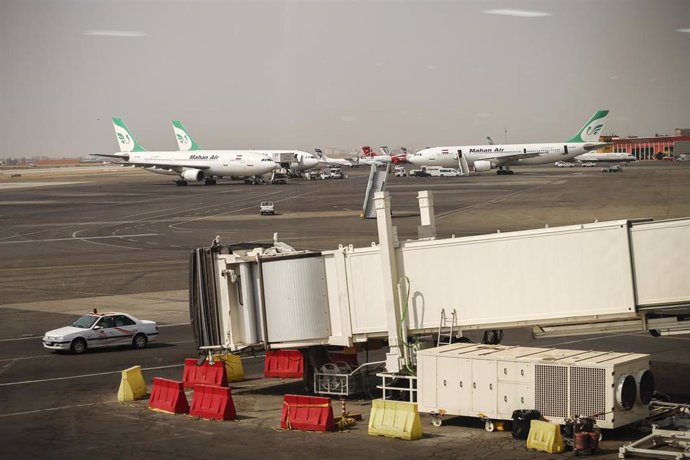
(305,74)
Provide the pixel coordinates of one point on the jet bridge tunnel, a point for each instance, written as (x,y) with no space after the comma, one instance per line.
(623,275)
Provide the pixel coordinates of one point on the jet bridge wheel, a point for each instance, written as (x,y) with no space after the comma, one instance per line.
(493,337)
(314,358)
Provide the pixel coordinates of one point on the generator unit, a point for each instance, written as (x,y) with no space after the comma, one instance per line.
(492,381)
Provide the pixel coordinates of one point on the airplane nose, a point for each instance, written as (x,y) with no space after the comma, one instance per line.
(311,162)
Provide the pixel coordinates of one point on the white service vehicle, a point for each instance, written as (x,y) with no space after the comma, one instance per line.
(612,168)
(337,173)
(101,330)
(434,171)
(449,172)
(266,207)
(564,164)
(400,171)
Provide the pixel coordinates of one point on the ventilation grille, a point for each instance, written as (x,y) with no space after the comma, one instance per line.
(551,390)
(587,391)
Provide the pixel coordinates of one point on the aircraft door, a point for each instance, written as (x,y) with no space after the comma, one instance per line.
(105,332)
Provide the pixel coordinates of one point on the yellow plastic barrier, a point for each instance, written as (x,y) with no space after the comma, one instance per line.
(395,419)
(546,437)
(132,385)
(233,366)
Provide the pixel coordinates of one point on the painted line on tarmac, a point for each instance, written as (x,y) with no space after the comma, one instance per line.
(33,337)
(78,238)
(48,355)
(50,409)
(98,374)
(123,264)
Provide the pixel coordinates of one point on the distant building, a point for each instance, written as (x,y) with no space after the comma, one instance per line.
(60,162)
(645,148)
(681,132)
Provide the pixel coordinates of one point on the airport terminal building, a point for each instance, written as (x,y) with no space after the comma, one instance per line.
(650,148)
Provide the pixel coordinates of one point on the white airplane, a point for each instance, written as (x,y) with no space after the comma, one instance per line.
(328,162)
(369,156)
(198,165)
(501,157)
(609,157)
(300,161)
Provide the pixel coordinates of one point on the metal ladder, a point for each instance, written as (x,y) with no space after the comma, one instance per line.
(376,183)
(444,324)
(462,162)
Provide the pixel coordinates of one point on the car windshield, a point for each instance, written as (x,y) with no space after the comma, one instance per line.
(85,322)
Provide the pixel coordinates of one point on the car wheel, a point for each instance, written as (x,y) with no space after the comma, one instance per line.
(139,341)
(78,346)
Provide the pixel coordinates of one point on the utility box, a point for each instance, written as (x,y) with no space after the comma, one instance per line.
(283,157)
(492,381)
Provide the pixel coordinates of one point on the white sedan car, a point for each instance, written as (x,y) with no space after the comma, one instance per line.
(101,330)
(564,164)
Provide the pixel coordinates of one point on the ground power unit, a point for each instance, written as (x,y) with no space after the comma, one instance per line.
(492,381)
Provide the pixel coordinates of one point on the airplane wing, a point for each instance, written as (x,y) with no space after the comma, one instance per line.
(161,165)
(119,156)
(170,167)
(503,158)
(330,162)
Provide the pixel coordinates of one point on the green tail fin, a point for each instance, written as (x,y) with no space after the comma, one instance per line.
(125,139)
(184,140)
(591,131)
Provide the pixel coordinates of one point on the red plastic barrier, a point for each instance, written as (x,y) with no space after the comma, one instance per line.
(284,364)
(214,402)
(168,396)
(308,413)
(206,374)
(350,359)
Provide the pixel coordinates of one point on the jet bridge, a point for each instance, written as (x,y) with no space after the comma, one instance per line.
(623,275)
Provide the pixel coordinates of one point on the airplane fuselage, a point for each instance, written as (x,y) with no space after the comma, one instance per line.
(214,163)
(500,155)
(610,157)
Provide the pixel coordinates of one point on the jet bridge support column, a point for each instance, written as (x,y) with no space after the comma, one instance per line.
(426,210)
(396,358)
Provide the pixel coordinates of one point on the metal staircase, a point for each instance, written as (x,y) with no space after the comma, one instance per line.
(462,163)
(377,183)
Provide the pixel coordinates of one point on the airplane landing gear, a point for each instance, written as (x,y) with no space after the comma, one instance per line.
(209,181)
(181,183)
(504,170)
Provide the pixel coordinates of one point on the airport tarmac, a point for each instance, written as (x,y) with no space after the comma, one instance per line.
(121,239)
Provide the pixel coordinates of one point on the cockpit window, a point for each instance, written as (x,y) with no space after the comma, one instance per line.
(85,322)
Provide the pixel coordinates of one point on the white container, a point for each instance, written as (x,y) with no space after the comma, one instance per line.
(492,381)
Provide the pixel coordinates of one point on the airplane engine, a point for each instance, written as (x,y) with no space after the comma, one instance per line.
(484,165)
(193,174)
